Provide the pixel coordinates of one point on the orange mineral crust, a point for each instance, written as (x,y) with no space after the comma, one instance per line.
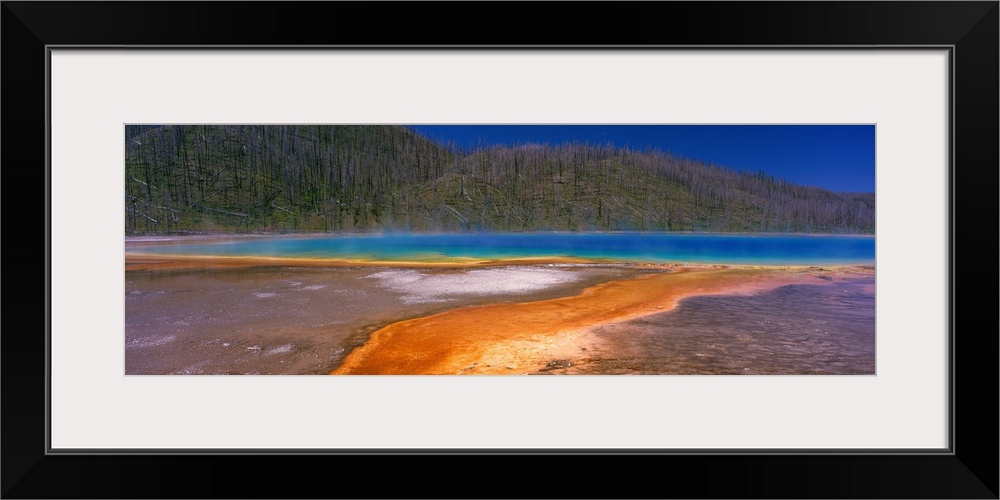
(527,337)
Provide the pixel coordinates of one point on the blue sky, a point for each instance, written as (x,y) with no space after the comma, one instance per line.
(836,157)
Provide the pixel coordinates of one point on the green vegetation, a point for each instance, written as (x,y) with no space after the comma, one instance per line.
(266,178)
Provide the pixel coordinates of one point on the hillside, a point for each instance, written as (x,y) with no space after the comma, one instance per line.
(365,178)
(273,178)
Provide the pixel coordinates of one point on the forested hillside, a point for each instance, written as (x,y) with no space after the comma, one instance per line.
(257,178)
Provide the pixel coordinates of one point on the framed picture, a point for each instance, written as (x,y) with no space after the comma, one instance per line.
(921,75)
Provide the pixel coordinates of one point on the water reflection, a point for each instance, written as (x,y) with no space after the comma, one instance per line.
(796,329)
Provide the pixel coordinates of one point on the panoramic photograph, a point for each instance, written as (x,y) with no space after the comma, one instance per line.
(499,249)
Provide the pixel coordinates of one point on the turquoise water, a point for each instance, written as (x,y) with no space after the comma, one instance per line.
(617,247)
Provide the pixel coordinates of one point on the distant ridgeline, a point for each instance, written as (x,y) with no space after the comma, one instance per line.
(265,178)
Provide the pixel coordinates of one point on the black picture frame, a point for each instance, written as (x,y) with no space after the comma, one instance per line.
(968,470)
